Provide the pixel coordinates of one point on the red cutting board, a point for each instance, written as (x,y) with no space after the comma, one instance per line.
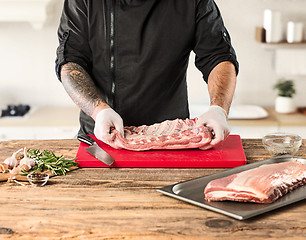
(229,154)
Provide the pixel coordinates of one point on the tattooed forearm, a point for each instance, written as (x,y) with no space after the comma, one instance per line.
(221,85)
(81,88)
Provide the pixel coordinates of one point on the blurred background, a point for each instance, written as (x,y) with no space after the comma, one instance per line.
(28,42)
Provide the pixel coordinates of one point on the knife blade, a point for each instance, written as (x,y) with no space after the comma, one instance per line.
(95,150)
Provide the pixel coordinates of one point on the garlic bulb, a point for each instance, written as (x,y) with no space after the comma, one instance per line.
(15,170)
(12,161)
(26,163)
(4,168)
(24,167)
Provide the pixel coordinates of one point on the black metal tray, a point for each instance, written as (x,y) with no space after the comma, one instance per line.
(192,191)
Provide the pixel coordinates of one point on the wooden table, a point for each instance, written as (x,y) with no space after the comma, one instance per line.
(99,203)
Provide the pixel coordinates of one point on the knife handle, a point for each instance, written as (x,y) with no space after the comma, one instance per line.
(86,139)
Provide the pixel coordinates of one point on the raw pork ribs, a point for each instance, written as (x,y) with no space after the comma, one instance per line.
(174,134)
(263,184)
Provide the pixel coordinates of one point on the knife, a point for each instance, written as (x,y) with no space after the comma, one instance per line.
(95,150)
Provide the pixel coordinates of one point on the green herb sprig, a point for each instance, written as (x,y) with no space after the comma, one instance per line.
(47,160)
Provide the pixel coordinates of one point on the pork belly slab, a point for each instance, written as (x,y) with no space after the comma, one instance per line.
(170,134)
(263,184)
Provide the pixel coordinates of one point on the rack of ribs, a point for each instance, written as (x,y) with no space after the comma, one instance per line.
(263,184)
(170,134)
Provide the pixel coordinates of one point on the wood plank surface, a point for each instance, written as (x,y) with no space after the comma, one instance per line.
(122,203)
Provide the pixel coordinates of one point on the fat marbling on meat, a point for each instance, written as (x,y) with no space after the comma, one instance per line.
(170,134)
(263,184)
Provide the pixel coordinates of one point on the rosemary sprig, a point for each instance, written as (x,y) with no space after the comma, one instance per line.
(47,160)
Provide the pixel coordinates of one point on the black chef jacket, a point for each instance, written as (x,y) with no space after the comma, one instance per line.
(137,52)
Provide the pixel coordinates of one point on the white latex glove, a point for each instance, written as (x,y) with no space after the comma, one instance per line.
(216,121)
(107,119)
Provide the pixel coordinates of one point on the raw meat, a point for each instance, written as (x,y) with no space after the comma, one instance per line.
(263,184)
(174,134)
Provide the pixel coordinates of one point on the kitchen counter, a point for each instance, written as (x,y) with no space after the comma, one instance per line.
(122,203)
(274,122)
(45,116)
(63,123)
(42,123)
(273,119)
(69,116)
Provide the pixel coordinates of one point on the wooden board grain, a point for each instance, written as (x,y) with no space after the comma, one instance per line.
(122,203)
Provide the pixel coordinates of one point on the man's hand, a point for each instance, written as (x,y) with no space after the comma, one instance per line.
(216,121)
(107,119)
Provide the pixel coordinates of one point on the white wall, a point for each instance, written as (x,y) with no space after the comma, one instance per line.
(27,57)
(27,62)
(257,76)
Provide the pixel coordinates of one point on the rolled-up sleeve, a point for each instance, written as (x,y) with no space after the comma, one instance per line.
(73,36)
(212,40)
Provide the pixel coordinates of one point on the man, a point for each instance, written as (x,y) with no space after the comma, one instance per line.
(124,62)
